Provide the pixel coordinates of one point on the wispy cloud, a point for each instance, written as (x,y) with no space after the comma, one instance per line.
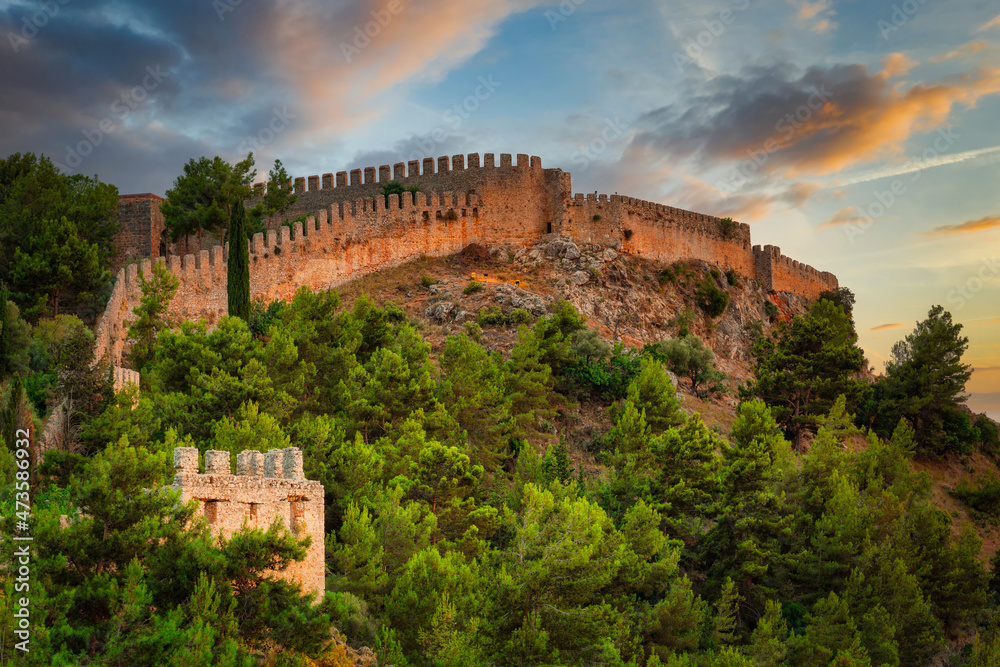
(969,49)
(845,216)
(995,23)
(886,327)
(817,15)
(970,227)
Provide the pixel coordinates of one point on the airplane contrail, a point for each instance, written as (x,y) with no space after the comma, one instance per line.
(917,164)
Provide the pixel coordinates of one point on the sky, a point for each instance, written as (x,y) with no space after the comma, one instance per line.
(860,136)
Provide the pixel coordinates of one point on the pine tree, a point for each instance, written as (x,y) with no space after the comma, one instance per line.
(157,292)
(239,264)
(832,633)
(925,381)
(804,367)
(767,643)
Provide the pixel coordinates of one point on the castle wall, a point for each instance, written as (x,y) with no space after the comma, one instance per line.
(351,232)
(524,198)
(656,231)
(778,273)
(265,488)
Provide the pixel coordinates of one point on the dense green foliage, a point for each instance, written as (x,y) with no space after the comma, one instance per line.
(804,365)
(925,383)
(56,236)
(711,298)
(279,194)
(689,357)
(467,525)
(202,197)
(151,313)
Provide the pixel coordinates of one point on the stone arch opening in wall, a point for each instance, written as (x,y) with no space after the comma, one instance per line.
(164,243)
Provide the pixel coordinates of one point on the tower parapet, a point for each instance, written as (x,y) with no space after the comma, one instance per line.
(268,487)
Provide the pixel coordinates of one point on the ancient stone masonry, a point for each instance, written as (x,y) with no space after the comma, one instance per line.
(351,232)
(142,227)
(266,487)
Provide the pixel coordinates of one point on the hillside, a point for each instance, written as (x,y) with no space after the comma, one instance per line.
(624,299)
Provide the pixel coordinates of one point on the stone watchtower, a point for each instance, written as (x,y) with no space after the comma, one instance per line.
(265,487)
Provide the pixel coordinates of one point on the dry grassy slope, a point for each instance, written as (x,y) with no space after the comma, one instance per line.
(623,299)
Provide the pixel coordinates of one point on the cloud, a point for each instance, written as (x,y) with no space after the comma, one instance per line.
(970,227)
(994,23)
(777,119)
(817,15)
(230,66)
(969,49)
(886,327)
(845,216)
(897,64)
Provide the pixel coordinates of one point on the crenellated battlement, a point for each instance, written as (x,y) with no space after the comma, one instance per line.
(351,231)
(267,487)
(484,174)
(402,171)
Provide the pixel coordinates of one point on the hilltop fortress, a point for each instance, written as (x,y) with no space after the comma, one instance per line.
(350,232)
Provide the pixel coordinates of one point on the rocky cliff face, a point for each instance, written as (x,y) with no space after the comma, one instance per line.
(626,298)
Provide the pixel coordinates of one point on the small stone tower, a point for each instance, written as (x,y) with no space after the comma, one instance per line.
(265,486)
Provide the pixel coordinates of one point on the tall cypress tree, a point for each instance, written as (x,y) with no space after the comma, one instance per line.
(239,264)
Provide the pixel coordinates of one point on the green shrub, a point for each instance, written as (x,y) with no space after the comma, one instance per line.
(711,299)
(490,316)
(597,218)
(983,497)
(989,437)
(683,321)
(728,228)
(689,357)
(520,316)
(426,280)
(608,377)
(770,309)
(473,287)
(473,330)
(262,315)
(731,277)
(627,233)
(667,275)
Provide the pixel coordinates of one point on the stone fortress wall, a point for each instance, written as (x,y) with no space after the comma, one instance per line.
(266,487)
(350,232)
